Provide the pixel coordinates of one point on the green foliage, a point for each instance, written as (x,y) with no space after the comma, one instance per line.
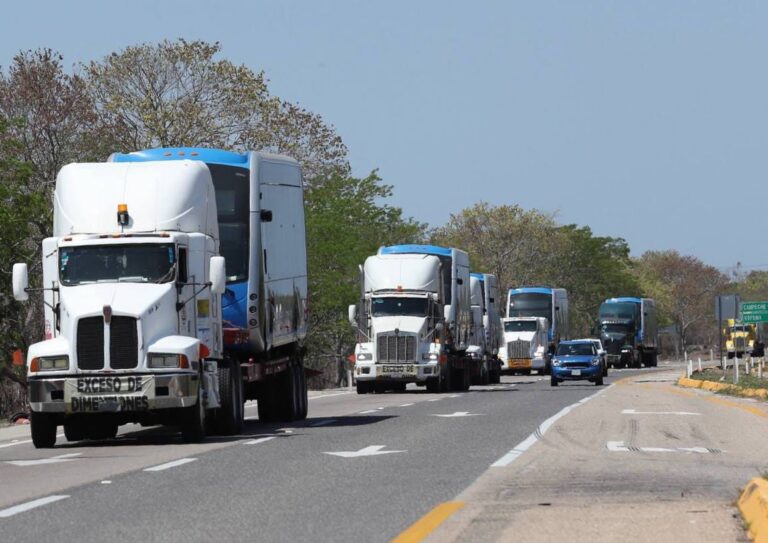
(529,248)
(346,222)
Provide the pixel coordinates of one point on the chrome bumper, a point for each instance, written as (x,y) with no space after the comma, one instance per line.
(166,391)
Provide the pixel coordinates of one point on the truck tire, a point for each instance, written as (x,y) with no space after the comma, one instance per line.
(363,387)
(304,394)
(461,380)
(445,377)
(229,417)
(101,430)
(433,385)
(43,428)
(193,427)
(74,431)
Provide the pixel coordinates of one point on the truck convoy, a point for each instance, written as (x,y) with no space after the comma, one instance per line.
(549,303)
(414,320)
(144,321)
(739,338)
(628,330)
(486,327)
(526,344)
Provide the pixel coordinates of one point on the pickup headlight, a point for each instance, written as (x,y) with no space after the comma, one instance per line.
(168,361)
(52,363)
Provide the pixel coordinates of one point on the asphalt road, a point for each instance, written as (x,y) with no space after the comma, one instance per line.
(397,457)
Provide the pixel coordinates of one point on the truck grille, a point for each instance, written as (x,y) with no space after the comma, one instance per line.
(90,343)
(519,349)
(123,343)
(740,343)
(392,348)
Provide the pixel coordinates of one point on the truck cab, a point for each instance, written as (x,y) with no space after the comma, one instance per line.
(526,345)
(132,290)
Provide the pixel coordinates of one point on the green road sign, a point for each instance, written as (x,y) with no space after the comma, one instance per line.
(752,312)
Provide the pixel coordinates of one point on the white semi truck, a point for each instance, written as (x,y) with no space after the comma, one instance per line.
(413,320)
(132,286)
(486,336)
(526,345)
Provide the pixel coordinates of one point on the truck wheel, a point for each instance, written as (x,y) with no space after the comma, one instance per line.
(74,431)
(399,387)
(363,387)
(43,428)
(464,380)
(445,378)
(193,428)
(229,417)
(100,430)
(303,394)
(433,385)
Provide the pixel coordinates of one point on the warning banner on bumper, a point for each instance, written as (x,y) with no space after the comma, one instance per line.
(109,393)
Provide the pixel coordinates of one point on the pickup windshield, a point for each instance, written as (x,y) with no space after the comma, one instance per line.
(405,307)
(520,326)
(140,263)
(576,349)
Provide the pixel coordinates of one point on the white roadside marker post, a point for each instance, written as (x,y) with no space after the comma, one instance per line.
(736,370)
(699,364)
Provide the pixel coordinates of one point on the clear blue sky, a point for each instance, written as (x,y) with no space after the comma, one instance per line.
(645,120)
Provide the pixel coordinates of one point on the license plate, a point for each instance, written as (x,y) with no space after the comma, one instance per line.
(575,372)
(108,394)
(398,370)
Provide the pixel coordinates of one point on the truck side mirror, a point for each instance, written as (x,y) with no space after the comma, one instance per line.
(218,275)
(20,282)
(352,314)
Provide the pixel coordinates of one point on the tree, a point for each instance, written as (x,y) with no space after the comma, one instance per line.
(684,288)
(524,248)
(18,203)
(179,94)
(346,222)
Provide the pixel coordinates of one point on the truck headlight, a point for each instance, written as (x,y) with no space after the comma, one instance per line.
(625,350)
(362,357)
(168,361)
(52,363)
(429,356)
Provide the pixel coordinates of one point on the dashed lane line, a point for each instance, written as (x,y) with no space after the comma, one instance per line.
(16,509)
(528,442)
(169,465)
(259,440)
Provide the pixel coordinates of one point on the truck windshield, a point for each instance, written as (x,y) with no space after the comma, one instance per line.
(141,263)
(741,328)
(520,326)
(406,307)
(624,310)
(575,349)
(615,328)
(531,304)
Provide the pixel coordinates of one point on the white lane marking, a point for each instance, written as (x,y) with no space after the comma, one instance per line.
(526,444)
(368,411)
(325,422)
(286,430)
(259,440)
(371,450)
(14,442)
(21,442)
(106,482)
(53,460)
(453,396)
(633,412)
(406,405)
(435,400)
(620,446)
(169,465)
(459,414)
(328,395)
(16,509)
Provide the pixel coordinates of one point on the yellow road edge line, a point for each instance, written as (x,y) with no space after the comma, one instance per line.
(420,530)
(714,387)
(753,505)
